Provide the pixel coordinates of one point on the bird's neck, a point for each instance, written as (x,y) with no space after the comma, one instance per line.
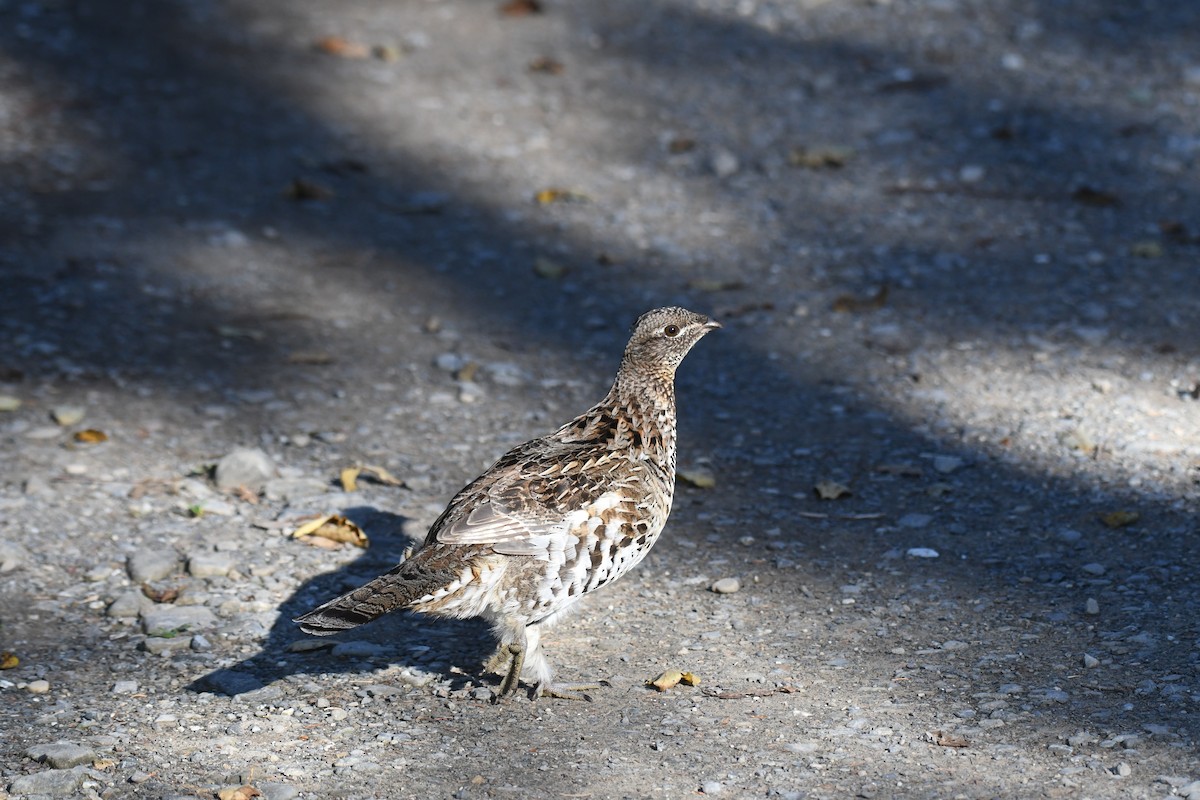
(647,400)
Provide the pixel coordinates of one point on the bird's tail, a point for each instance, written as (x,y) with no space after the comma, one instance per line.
(399,588)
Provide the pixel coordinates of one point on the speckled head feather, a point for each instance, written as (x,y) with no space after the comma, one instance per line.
(662,337)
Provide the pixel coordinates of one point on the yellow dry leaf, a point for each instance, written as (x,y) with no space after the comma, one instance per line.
(1119,519)
(666,680)
(9,660)
(103,763)
(67,415)
(831,490)
(467,373)
(9,403)
(547,196)
(689,679)
(91,436)
(342,48)
(547,268)
(700,477)
(238,793)
(335,528)
(315,358)
(382,475)
(349,478)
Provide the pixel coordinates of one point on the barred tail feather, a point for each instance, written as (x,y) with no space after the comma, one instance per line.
(399,588)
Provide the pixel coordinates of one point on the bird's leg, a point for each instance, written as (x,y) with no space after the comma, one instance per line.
(513,678)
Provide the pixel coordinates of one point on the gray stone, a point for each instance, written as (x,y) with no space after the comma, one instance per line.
(1091,607)
(726,586)
(1090,661)
(248,467)
(129,604)
(1191,790)
(151,565)
(711,787)
(125,687)
(1094,569)
(174,618)
(289,490)
(12,556)
(158,645)
(61,755)
(209,565)
(278,791)
(51,783)
(200,644)
(914,520)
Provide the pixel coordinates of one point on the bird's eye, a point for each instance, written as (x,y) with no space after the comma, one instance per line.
(671,330)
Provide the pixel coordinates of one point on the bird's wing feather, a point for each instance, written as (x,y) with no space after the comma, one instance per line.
(508,532)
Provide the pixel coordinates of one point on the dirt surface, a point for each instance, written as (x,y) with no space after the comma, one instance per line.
(954,245)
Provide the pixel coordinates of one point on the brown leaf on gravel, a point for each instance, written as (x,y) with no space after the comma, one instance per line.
(342,48)
(849,304)
(707,285)
(302,189)
(831,490)
(238,793)
(819,157)
(689,679)
(520,8)
(700,477)
(666,680)
(1119,519)
(167,595)
(9,660)
(1097,198)
(548,269)
(313,358)
(943,739)
(334,528)
(349,479)
(554,195)
(546,66)
(90,436)
(242,493)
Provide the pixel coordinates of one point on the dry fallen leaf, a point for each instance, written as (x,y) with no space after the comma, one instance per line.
(335,528)
(91,436)
(943,739)
(819,157)
(67,415)
(238,793)
(349,479)
(700,477)
(467,372)
(315,358)
(1146,249)
(103,763)
(520,8)
(342,48)
(168,595)
(666,680)
(233,332)
(1097,198)
(706,285)
(546,65)
(546,268)
(1119,519)
(388,53)
(380,474)
(303,189)
(689,679)
(831,490)
(9,660)
(9,403)
(848,303)
(547,196)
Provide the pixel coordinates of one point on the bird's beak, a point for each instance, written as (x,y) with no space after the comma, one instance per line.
(711,325)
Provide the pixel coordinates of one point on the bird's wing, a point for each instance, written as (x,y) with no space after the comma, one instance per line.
(508,532)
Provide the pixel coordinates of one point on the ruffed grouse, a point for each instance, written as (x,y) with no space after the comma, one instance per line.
(553,519)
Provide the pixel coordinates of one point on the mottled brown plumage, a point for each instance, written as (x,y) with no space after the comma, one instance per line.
(553,519)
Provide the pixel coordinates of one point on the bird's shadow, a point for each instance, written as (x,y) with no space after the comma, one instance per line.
(430,647)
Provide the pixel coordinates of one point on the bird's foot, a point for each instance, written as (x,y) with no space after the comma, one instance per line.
(566,691)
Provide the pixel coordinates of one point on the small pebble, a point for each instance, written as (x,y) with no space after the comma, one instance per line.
(1090,661)
(248,467)
(67,416)
(38,686)
(125,687)
(146,566)
(1091,607)
(922,552)
(726,586)
(61,755)
(1122,770)
(724,164)
(711,787)
(1094,569)
(914,520)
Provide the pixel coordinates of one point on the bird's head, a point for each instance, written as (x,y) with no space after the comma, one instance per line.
(662,337)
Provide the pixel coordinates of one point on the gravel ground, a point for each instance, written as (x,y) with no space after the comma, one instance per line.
(954,244)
